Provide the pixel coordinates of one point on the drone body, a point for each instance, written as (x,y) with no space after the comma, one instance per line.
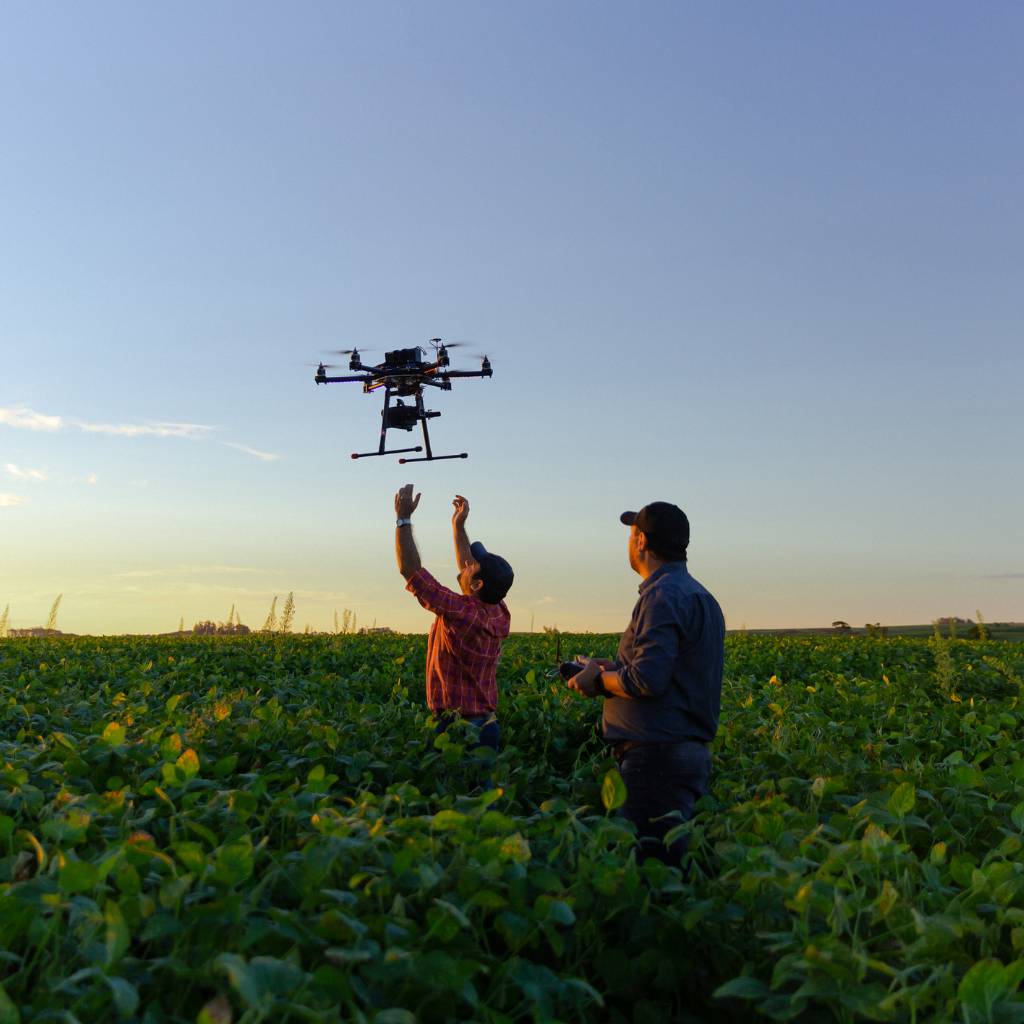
(404,374)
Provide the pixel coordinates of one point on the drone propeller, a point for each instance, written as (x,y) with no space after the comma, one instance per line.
(326,366)
(475,346)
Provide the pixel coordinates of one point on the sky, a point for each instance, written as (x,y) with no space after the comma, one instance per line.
(760,260)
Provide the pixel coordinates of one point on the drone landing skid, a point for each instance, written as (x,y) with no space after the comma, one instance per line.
(434,458)
(392,451)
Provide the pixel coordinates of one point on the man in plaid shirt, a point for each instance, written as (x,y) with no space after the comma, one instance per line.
(465,639)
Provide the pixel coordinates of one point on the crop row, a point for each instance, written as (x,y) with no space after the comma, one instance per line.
(264,828)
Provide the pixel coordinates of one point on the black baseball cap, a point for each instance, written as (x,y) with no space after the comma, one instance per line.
(666,527)
(495,572)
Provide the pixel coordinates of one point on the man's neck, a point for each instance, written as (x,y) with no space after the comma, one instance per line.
(648,566)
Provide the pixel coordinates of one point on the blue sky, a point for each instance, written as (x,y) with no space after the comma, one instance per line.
(760,260)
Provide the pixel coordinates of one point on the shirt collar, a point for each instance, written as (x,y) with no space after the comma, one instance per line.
(660,573)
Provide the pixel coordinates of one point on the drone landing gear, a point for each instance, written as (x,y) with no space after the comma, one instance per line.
(392,451)
(423,415)
(434,458)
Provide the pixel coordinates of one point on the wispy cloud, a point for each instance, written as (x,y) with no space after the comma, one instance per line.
(263,456)
(228,590)
(182,570)
(24,474)
(10,500)
(1004,576)
(92,478)
(191,430)
(27,419)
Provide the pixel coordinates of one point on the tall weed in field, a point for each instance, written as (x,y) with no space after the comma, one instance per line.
(51,622)
(270,625)
(982,628)
(288,615)
(945,671)
(4,628)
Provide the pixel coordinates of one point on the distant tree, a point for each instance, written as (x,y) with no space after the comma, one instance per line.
(288,615)
(51,622)
(840,626)
(4,628)
(208,628)
(181,624)
(271,624)
(875,629)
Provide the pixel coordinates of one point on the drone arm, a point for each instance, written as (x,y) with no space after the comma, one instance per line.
(466,373)
(342,380)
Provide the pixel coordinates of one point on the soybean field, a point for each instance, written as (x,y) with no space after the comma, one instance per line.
(264,828)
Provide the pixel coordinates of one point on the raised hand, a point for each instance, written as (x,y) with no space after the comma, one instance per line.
(461,513)
(405,503)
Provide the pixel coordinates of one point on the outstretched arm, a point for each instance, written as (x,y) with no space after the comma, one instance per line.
(405,544)
(459,517)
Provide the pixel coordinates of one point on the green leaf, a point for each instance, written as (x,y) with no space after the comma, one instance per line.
(77,876)
(613,791)
(902,800)
(116,933)
(448,820)
(114,734)
(188,763)
(1017,815)
(555,911)
(242,980)
(191,855)
(982,986)
(9,1012)
(126,996)
(216,1011)
(744,987)
(233,863)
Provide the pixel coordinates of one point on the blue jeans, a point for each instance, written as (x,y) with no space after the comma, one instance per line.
(488,732)
(660,778)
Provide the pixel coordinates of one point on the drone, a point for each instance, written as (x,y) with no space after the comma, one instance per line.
(404,374)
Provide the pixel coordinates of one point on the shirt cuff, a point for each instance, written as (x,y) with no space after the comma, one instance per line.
(418,581)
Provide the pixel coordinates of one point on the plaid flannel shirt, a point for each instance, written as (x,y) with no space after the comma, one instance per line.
(463,647)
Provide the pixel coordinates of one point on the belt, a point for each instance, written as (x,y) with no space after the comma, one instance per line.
(622,747)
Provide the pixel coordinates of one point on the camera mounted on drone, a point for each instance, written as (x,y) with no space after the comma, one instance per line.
(404,373)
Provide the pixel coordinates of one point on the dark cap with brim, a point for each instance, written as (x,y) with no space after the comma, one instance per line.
(666,527)
(495,572)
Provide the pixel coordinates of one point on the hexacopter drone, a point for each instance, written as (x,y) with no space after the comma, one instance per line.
(404,374)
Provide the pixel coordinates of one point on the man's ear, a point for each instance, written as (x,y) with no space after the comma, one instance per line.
(641,540)
(476,584)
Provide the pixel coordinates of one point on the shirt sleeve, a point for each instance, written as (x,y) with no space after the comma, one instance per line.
(435,597)
(655,650)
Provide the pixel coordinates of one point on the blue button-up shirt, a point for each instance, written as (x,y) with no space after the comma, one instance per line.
(670,662)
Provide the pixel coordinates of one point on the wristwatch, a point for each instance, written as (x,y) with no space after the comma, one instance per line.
(403,522)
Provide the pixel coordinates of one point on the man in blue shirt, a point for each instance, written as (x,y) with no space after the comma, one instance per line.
(663,693)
